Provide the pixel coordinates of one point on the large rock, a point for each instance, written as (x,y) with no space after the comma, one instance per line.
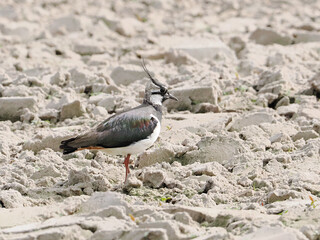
(17,91)
(12,199)
(311,113)
(250,119)
(65,25)
(102,200)
(282,195)
(274,233)
(215,149)
(74,109)
(104,100)
(179,58)
(100,111)
(108,103)
(315,83)
(189,97)
(288,111)
(127,74)
(154,178)
(305,135)
(255,136)
(143,233)
(24,31)
(306,36)
(198,48)
(154,155)
(12,107)
(172,228)
(268,36)
(49,138)
(127,27)
(81,77)
(278,80)
(60,78)
(88,47)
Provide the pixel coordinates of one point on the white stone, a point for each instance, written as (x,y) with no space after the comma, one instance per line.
(250,119)
(49,139)
(306,36)
(60,78)
(88,47)
(274,233)
(74,109)
(108,103)
(154,178)
(49,114)
(65,24)
(215,149)
(12,199)
(125,26)
(101,111)
(144,233)
(311,113)
(305,135)
(100,200)
(289,110)
(81,77)
(154,155)
(192,95)
(315,82)
(24,31)
(282,195)
(171,227)
(266,36)
(12,107)
(199,48)
(127,74)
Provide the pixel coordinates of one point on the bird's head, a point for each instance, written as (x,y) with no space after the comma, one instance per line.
(156,93)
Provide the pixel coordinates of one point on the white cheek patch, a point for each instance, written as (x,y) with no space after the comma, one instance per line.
(156,99)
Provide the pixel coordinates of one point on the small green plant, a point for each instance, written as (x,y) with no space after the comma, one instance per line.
(242,88)
(283,212)
(289,150)
(227,93)
(165,199)
(94,93)
(312,201)
(49,97)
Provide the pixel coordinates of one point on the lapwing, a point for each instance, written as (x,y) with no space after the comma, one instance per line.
(129,132)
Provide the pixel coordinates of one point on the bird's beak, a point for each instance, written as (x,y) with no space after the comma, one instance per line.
(172,97)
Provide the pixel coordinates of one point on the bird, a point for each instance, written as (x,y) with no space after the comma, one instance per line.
(129,132)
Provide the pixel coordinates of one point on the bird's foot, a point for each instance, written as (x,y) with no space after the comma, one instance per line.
(126,164)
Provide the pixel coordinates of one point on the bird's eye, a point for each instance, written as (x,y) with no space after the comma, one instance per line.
(163,90)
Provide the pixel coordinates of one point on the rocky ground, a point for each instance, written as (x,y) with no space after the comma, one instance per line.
(238,155)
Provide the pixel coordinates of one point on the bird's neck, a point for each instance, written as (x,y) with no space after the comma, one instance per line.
(155,104)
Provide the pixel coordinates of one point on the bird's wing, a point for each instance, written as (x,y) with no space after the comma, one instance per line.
(125,129)
(117,131)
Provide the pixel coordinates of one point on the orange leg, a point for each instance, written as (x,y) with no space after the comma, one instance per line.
(92,148)
(126,164)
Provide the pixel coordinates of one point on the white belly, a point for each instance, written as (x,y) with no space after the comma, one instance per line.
(137,147)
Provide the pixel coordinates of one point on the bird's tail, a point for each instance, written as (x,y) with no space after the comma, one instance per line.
(66,147)
(88,140)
